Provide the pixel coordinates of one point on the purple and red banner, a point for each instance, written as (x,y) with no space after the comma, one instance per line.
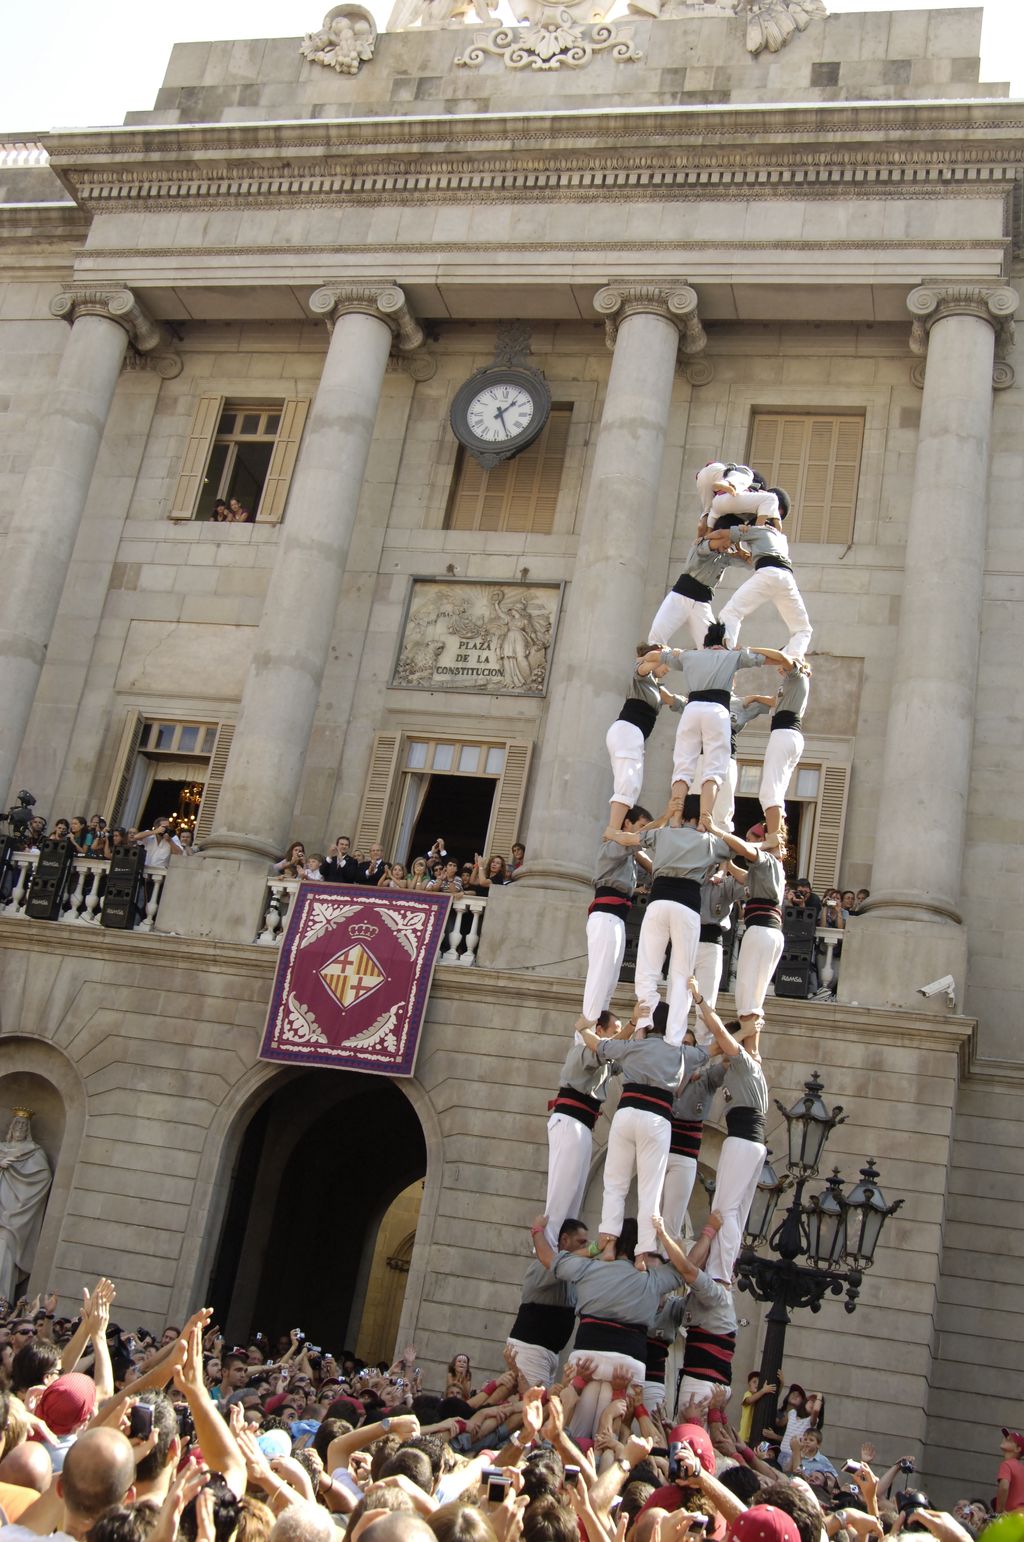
(353,977)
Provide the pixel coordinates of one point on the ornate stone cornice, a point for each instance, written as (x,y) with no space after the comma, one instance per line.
(113,304)
(674,302)
(385,302)
(994,303)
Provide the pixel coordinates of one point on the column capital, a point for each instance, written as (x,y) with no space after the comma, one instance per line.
(994,303)
(385,302)
(674,302)
(114,303)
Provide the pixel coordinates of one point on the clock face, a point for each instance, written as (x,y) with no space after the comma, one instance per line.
(500,412)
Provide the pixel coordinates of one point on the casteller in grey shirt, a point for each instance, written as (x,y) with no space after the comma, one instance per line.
(649,1062)
(710,669)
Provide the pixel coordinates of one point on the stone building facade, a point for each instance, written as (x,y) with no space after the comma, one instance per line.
(705,245)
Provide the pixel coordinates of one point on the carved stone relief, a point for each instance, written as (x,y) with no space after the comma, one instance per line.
(345,42)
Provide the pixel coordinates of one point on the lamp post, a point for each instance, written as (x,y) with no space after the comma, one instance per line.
(814,1241)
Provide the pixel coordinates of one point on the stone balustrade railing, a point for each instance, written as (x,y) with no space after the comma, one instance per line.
(84,896)
(462,935)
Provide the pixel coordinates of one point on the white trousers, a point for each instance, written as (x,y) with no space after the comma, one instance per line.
(680,1177)
(760,952)
(708,970)
(654,1395)
(751,505)
(739,479)
(739,1168)
(538,1365)
(677,610)
(703,731)
(606,946)
(724,806)
(597,1394)
(664,922)
(625,745)
(781,758)
(770,586)
(570,1144)
(637,1141)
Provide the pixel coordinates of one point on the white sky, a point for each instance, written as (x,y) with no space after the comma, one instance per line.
(71,66)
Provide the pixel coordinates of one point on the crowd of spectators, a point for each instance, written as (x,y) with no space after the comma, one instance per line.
(436,870)
(108,1435)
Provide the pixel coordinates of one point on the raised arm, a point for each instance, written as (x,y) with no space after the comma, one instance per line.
(773,656)
(741,848)
(538,1231)
(729,1046)
(215,1440)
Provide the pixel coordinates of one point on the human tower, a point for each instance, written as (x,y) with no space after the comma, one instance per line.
(626,1296)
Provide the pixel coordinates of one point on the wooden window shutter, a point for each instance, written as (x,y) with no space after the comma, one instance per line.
(816,458)
(196,457)
(377,794)
(508,805)
(282,460)
(828,836)
(519,494)
(214,781)
(124,764)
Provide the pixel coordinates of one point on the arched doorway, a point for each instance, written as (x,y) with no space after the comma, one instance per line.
(320,1162)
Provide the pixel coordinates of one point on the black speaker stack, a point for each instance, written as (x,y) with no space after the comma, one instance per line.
(793,975)
(121,897)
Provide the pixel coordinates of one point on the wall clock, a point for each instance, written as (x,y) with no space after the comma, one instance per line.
(499,411)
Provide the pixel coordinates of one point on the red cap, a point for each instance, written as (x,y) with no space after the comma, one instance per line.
(274,1403)
(67,1402)
(699,1442)
(764,1523)
(1016,1437)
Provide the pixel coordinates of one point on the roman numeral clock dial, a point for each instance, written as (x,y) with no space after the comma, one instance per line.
(499,411)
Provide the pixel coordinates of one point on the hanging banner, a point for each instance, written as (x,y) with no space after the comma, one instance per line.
(353,978)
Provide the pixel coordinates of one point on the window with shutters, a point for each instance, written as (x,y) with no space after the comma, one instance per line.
(468,792)
(518,494)
(816,458)
(167,768)
(239,452)
(815,813)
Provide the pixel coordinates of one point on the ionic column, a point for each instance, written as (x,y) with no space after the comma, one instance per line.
(53,495)
(282,688)
(921,816)
(647,326)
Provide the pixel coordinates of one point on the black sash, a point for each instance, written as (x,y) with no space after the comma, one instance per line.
(772,562)
(616,1338)
(682,891)
(746,1124)
(692,588)
(641,714)
(548,1326)
(785,720)
(650,1100)
(719,698)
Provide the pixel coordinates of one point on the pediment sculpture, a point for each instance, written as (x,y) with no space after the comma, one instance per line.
(770,23)
(553,33)
(345,42)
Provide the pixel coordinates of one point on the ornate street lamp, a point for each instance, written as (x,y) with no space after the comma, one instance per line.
(826,1225)
(810,1125)
(770,1188)
(813,1242)
(866,1213)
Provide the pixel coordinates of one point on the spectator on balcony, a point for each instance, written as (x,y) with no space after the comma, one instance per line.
(849,900)
(221,513)
(341,866)
(160,844)
(518,858)
(862,895)
(438,852)
(293,864)
(61,830)
(314,867)
(239,514)
(96,833)
(448,881)
(393,877)
(372,870)
(78,832)
(419,878)
(832,914)
(805,898)
(187,839)
(484,877)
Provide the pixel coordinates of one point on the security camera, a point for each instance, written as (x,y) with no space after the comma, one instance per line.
(936,987)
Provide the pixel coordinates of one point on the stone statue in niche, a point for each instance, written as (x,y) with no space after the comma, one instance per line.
(345,42)
(25,1179)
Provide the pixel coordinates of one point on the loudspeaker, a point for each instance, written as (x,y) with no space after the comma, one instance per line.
(792,977)
(798,923)
(50,880)
(634,921)
(120,898)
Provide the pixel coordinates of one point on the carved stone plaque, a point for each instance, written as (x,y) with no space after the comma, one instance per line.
(493,639)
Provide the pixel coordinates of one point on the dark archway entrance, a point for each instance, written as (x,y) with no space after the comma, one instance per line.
(319,1163)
